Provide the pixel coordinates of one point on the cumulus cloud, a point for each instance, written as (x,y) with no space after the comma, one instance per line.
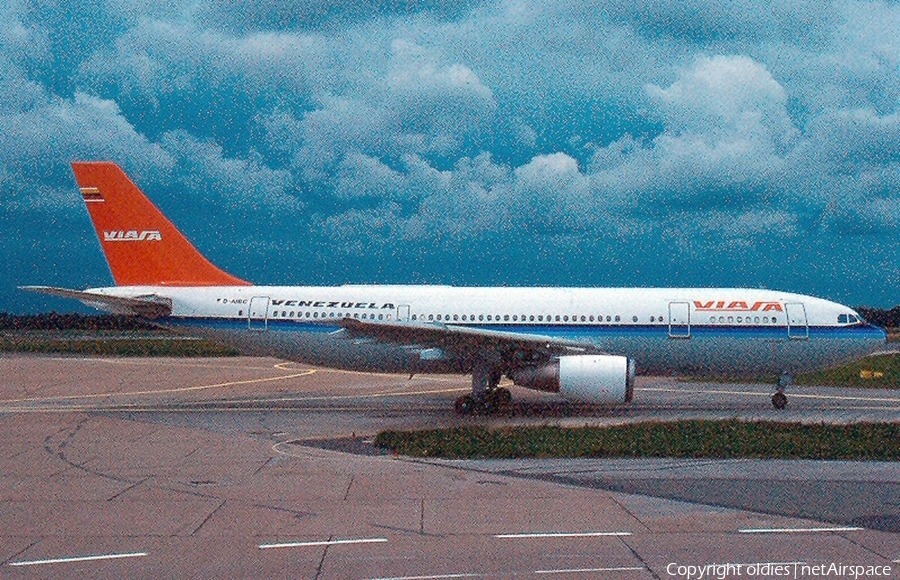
(311,14)
(724,98)
(726,133)
(38,143)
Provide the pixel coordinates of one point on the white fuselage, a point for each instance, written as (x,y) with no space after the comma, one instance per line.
(682,330)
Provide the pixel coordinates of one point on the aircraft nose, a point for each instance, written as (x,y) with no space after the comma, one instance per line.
(878,335)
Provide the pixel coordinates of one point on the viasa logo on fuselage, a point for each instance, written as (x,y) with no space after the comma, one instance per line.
(132,236)
(737,306)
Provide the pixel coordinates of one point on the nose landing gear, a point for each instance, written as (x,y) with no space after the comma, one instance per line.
(779,399)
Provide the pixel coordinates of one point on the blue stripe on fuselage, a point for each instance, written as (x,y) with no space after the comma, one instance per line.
(571,331)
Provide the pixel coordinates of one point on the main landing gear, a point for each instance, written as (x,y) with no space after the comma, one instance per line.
(779,399)
(486,398)
(495,401)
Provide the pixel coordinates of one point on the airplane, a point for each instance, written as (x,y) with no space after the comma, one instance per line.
(586,344)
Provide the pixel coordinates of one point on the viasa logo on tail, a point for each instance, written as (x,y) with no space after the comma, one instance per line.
(132,236)
(737,306)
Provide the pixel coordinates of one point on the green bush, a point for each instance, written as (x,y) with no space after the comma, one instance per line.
(696,438)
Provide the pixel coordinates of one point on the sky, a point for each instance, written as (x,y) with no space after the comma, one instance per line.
(547,143)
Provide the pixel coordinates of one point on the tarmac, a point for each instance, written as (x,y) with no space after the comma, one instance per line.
(251,467)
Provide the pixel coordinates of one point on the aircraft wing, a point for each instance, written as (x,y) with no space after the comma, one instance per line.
(148,306)
(465,342)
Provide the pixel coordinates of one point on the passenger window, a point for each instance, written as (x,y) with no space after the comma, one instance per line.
(431,317)
(609,318)
(413,316)
(506,317)
(618,318)
(634,318)
(456,317)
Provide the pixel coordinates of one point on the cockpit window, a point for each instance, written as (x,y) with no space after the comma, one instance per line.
(842,319)
(848,319)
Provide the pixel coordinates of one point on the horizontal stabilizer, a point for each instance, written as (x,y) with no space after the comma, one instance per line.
(147,306)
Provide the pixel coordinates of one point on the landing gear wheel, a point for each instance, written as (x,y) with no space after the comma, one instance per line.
(466,405)
(779,400)
(499,401)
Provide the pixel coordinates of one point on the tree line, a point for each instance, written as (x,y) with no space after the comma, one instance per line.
(71,321)
(881,317)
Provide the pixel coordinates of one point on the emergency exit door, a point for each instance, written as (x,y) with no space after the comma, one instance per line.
(679,320)
(798,327)
(258,313)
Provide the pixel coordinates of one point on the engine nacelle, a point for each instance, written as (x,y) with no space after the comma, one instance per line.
(598,379)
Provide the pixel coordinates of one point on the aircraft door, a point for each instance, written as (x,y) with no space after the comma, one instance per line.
(798,327)
(403,313)
(258,313)
(679,320)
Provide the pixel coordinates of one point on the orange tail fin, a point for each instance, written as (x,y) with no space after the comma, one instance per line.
(142,247)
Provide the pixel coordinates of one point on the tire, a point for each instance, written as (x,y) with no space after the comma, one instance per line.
(465,405)
(779,400)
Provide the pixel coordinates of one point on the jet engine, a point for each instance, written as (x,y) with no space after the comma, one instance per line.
(596,379)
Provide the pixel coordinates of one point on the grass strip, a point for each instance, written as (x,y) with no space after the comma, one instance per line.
(694,438)
(881,371)
(872,372)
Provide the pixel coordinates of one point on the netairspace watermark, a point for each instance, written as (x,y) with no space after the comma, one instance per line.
(793,570)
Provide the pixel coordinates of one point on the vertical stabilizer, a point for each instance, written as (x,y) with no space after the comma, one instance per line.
(142,247)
